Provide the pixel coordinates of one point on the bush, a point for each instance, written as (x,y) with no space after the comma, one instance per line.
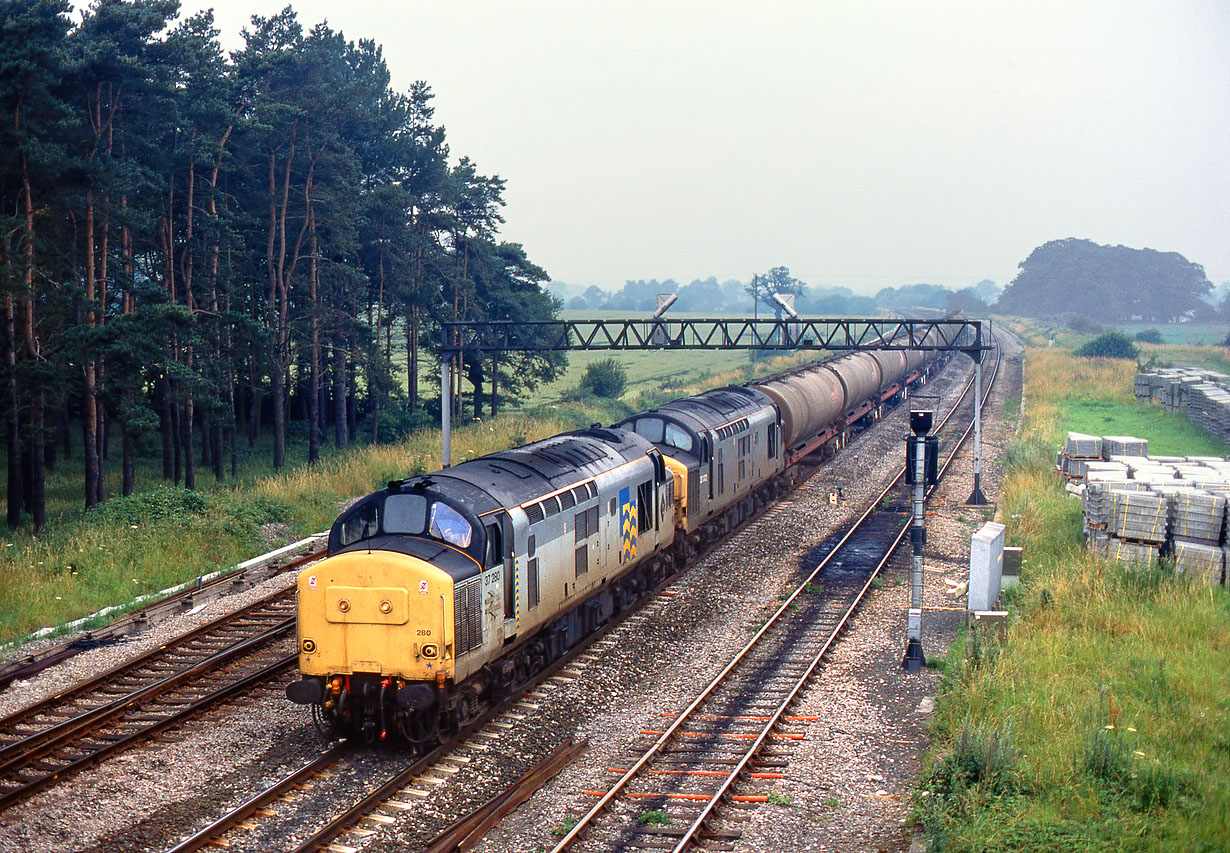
(1149,336)
(1082,324)
(1110,345)
(978,757)
(605,378)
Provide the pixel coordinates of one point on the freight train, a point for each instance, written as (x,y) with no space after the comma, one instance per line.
(444,593)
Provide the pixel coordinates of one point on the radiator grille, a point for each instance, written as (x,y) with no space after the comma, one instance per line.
(533,581)
(468,615)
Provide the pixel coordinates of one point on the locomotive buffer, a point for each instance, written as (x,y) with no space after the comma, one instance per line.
(922,452)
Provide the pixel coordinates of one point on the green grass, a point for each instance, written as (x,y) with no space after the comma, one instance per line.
(1102,721)
(1169,434)
(1194,334)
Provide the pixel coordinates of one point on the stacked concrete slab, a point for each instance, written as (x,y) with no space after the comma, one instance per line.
(1202,395)
(1203,562)
(1140,508)
(1139,516)
(1197,515)
(1079,450)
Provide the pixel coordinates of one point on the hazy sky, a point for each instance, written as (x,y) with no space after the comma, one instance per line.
(860,143)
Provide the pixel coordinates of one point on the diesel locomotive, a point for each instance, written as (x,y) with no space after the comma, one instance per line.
(446,592)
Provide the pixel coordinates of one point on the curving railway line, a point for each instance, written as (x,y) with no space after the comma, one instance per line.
(748,708)
(708,762)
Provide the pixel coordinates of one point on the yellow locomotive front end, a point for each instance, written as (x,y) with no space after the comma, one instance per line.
(375,639)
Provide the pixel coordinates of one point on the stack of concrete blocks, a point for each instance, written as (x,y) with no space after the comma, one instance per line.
(1197,529)
(1077,453)
(1202,395)
(1138,508)
(1138,524)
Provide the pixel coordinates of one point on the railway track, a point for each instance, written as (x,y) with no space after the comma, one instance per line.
(383,802)
(690,782)
(164,605)
(45,742)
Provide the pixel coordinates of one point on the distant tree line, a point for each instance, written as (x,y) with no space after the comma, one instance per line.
(197,248)
(735,297)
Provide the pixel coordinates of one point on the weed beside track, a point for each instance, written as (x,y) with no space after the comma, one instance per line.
(1102,720)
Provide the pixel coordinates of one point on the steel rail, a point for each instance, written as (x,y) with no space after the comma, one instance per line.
(249,807)
(40,743)
(255,679)
(134,622)
(586,820)
(128,667)
(467,832)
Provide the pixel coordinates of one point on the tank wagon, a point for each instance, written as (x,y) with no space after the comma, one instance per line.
(444,593)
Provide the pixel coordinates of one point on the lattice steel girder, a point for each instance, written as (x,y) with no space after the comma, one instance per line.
(731,333)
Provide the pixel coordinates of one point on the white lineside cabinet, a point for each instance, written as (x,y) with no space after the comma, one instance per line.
(986,565)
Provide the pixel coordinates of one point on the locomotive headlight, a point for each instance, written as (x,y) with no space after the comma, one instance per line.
(386,606)
(343,605)
(430,650)
(308,645)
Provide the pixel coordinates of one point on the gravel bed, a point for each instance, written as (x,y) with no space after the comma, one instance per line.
(152,797)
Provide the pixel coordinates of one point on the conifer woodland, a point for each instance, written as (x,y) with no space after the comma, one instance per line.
(199,248)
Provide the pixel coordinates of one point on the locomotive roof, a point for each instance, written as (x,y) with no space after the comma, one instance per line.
(710,409)
(512,477)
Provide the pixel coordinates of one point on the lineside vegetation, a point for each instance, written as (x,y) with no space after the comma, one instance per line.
(89,559)
(1102,721)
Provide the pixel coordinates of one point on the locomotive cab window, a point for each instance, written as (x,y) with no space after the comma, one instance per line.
(677,436)
(448,525)
(405,514)
(362,523)
(651,429)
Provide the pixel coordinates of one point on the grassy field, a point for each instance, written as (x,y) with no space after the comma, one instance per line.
(1102,721)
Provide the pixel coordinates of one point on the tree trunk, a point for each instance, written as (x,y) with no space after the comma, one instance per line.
(89,402)
(38,482)
(166,429)
(341,438)
(186,420)
(14,490)
(126,463)
(474,369)
(412,335)
(187,267)
(495,381)
(314,355)
(176,443)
